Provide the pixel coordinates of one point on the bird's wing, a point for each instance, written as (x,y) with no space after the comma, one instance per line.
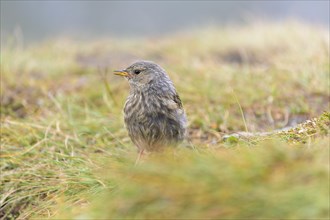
(177,100)
(174,103)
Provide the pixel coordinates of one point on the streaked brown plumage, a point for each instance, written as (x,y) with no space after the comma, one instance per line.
(153,113)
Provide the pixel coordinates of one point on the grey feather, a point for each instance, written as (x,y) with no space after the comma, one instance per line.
(153,112)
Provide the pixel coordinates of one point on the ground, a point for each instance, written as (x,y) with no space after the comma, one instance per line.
(65,152)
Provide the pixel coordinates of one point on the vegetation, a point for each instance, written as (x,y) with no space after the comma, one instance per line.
(65,152)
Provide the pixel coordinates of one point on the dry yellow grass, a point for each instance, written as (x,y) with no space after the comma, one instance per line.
(64,146)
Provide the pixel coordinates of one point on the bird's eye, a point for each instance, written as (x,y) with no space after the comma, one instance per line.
(137,71)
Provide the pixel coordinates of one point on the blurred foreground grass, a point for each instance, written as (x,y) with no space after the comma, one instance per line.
(65,152)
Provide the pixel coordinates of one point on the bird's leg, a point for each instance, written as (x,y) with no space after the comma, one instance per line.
(139,157)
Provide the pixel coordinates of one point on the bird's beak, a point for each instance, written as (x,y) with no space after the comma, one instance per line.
(120,72)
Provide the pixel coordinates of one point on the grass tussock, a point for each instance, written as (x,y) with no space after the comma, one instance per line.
(267,180)
(65,152)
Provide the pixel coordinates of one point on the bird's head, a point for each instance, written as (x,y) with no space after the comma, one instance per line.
(143,73)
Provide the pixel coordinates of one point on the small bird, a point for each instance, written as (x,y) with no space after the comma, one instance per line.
(153,112)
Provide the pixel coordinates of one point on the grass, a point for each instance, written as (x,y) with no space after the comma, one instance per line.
(65,152)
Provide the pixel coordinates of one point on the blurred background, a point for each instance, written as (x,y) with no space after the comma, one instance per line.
(39,20)
(261,66)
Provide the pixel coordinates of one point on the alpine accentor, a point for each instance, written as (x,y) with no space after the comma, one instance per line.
(153,112)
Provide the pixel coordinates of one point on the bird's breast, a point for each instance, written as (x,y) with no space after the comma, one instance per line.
(149,119)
